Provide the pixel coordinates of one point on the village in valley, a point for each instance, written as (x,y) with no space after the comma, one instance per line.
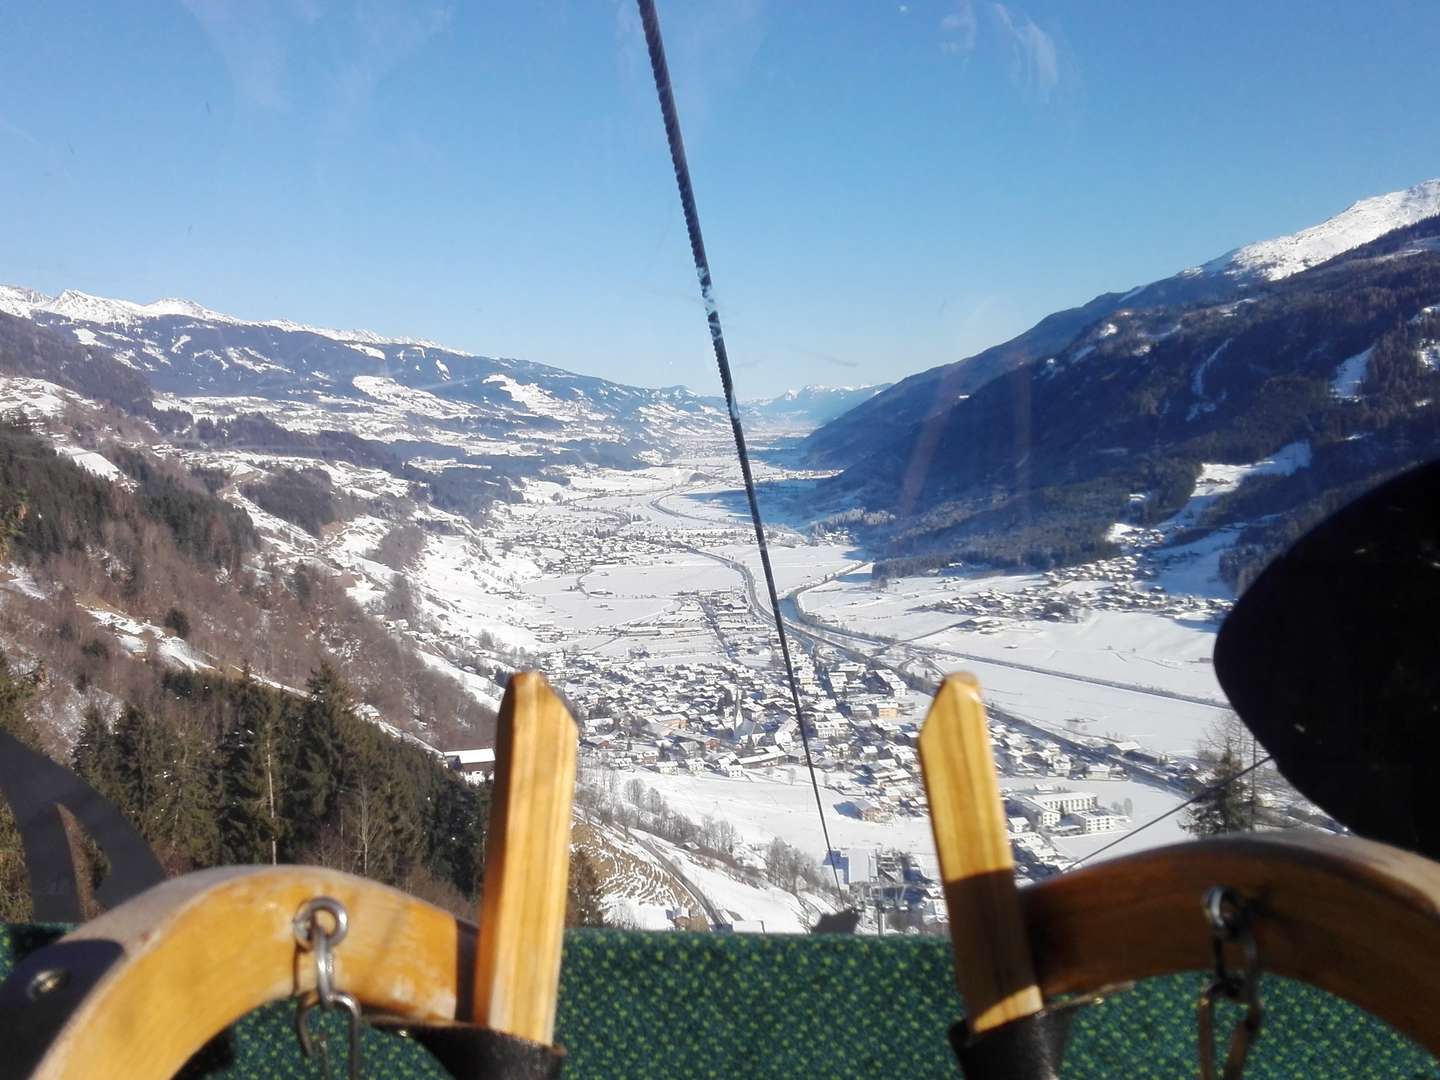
(643,611)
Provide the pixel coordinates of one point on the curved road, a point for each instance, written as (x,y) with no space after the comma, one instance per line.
(856,642)
(853,641)
(711,911)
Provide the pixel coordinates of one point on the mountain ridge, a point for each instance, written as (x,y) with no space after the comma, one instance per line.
(805,408)
(1230,276)
(406,392)
(1118,427)
(81,306)
(1359,223)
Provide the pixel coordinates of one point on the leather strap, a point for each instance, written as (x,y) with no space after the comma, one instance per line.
(1032,1048)
(474,1053)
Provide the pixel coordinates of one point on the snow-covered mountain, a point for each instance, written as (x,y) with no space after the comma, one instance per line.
(808,407)
(1271,260)
(83,307)
(394,390)
(1233,276)
(1317,384)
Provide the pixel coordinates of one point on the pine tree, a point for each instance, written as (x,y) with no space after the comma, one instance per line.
(317,758)
(456,821)
(401,828)
(16,693)
(189,825)
(381,808)
(1225,805)
(249,767)
(145,755)
(165,780)
(583,895)
(93,757)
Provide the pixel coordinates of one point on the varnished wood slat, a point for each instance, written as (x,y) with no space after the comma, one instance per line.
(204,950)
(992,955)
(527,863)
(1353,917)
(1358,919)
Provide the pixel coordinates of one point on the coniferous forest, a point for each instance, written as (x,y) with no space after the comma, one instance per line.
(213,765)
(243,773)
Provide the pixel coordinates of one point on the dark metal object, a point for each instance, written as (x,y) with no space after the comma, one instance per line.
(837,922)
(1332,659)
(1032,1048)
(1229,921)
(318,1045)
(311,935)
(35,787)
(475,1053)
(656,45)
(42,993)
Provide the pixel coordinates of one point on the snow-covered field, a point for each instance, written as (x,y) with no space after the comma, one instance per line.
(1147,656)
(763,807)
(1136,648)
(795,565)
(1073,708)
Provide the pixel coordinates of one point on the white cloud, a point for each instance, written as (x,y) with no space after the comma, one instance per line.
(1035,56)
(958,29)
(255,39)
(249,38)
(390,32)
(1036,60)
(709,48)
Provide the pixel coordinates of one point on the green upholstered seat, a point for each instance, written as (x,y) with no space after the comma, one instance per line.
(720,1005)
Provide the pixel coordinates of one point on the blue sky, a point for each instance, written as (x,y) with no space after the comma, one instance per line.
(884,186)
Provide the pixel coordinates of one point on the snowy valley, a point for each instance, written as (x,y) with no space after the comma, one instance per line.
(481,515)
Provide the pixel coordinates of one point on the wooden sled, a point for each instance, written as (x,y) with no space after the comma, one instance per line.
(137,991)
(1358,919)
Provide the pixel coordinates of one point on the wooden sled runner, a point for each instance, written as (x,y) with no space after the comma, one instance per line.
(140,989)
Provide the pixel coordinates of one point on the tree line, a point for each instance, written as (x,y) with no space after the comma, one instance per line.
(249,774)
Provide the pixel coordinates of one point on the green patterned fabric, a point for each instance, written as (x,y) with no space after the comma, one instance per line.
(719,1005)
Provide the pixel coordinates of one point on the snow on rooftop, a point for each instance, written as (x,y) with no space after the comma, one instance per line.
(484,755)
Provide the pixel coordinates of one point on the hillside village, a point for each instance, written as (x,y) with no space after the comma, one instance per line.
(1123,583)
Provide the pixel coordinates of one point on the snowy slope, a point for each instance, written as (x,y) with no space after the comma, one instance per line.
(889,414)
(1362,222)
(808,407)
(390,389)
(83,307)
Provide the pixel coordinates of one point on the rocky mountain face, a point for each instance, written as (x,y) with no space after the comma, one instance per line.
(1337,366)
